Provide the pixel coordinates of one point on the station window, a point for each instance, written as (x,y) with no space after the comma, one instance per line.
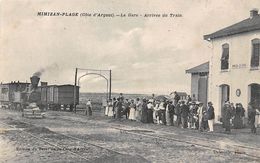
(255,52)
(225,57)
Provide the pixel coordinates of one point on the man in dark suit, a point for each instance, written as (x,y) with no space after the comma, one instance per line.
(184,114)
(177,112)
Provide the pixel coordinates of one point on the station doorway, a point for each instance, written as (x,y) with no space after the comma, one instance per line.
(225,96)
(203,89)
(254,94)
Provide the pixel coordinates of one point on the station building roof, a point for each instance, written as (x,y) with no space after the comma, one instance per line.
(204,67)
(247,25)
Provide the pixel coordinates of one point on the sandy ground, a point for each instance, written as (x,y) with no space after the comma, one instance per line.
(120,146)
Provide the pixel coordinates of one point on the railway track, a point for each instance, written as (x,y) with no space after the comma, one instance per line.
(47,142)
(237,149)
(85,159)
(163,137)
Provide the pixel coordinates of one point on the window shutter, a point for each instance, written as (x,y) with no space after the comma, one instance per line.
(255,55)
(225,57)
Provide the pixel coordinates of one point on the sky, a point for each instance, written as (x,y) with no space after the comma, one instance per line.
(146,55)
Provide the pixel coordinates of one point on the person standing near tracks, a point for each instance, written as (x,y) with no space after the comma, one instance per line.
(251,117)
(127,108)
(132,110)
(119,108)
(170,108)
(110,108)
(200,111)
(150,108)
(178,114)
(156,116)
(184,114)
(144,115)
(114,107)
(192,115)
(238,119)
(210,116)
(89,107)
(228,112)
(138,110)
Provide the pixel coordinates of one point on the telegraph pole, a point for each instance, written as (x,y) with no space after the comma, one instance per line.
(110,77)
(75,89)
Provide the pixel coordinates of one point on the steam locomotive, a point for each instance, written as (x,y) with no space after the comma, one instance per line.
(18,95)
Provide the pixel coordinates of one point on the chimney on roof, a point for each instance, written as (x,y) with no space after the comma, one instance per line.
(253,13)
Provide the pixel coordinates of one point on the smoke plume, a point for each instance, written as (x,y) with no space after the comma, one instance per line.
(51,67)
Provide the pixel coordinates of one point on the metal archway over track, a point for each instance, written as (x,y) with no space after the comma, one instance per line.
(106,74)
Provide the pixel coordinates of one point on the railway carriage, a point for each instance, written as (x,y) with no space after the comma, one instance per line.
(59,97)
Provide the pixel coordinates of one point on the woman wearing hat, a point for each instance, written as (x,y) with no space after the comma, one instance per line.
(156,115)
(138,110)
(239,112)
(144,116)
(110,108)
(132,110)
(228,112)
(150,111)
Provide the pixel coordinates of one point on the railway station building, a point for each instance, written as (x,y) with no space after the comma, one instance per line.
(234,67)
(233,72)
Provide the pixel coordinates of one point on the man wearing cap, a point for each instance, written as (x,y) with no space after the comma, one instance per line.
(211,116)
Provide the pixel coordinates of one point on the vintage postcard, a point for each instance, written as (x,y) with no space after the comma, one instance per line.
(129,81)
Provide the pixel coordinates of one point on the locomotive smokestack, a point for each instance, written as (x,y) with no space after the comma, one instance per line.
(34,81)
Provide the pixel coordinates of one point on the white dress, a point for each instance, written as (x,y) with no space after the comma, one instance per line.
(167,114)
(110,110)
(155,113)
(132,112)
(138,111)
(106,111)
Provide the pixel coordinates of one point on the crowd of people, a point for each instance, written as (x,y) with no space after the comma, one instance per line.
(176,112)
(180,113)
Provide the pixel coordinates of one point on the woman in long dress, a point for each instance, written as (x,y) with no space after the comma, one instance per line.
(132,111)
(167,114)
(239,112)
(106,110)
(138,110)
(144,116)
(150,111)
(156,117)
(110,109)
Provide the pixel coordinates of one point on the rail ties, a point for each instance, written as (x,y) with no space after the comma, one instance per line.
(237,149)
(68,136)
(45,141)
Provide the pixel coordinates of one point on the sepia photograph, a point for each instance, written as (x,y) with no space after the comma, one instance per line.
(112,81)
